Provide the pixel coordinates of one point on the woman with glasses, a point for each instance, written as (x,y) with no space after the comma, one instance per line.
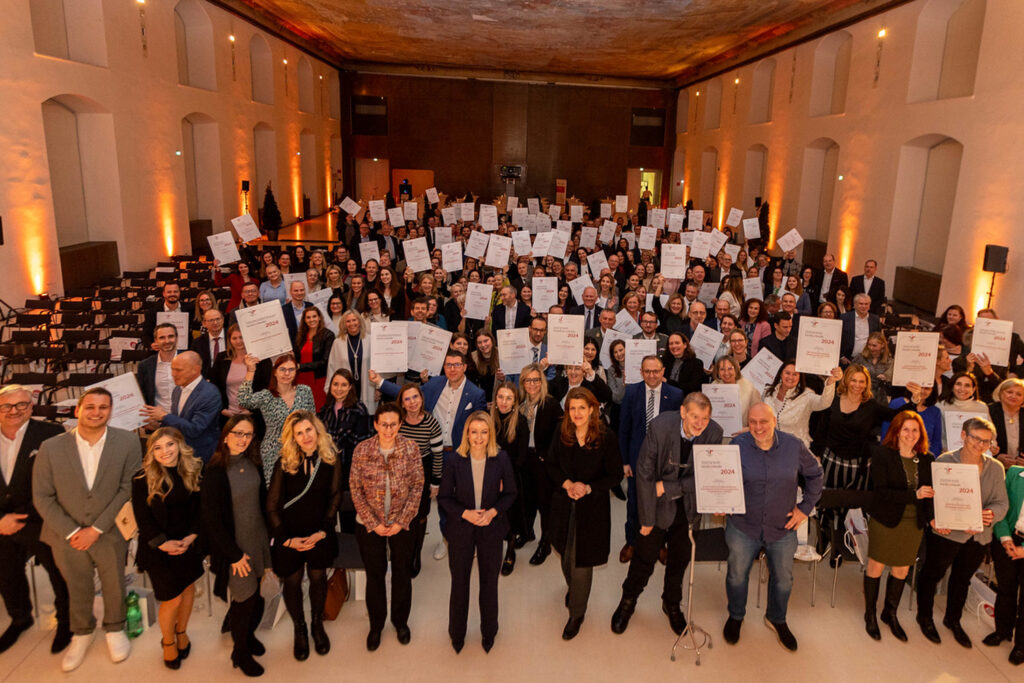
(376,310)
(738,346)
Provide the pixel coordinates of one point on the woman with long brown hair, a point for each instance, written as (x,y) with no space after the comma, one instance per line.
(313,342)
(165,499)
(583,463)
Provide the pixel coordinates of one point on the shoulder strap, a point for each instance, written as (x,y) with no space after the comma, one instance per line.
(309,483)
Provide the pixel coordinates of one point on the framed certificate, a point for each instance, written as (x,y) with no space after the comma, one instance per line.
(389,347)
(565,339)
(817,345)
(957,496)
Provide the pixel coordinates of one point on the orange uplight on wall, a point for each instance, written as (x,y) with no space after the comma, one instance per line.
(979,295)
(32,223)
(167,221)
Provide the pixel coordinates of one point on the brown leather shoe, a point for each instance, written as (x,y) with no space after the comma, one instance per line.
(663,555)
(626,554)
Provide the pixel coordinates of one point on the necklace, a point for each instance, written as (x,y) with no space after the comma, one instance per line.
(355,355)
(916,473)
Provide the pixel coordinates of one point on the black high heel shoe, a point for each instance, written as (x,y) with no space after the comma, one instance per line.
(172,663)
(182,651)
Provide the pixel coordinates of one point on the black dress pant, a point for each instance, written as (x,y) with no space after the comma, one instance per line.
(961,559)
(1009,594)
(645,554)
(15,550)
(486,542)
(536,493)
(374,551)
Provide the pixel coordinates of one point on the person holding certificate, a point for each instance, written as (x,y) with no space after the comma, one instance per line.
(1008,558)
(793,401)
(666,497)
(900,508)
(961,552)
(1005,410)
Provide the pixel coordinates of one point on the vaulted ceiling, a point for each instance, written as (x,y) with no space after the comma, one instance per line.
(649,39)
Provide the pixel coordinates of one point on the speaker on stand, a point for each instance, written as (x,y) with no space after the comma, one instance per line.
(245,196)
(995,263)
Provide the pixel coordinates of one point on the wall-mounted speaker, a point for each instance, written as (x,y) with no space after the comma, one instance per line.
(245,186)
(995,258)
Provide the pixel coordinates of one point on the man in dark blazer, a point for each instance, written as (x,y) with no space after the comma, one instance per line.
(649,331)
(195,406)
(667,505)
(364,236)
(829,280)
(171,304)
(20,524)
(295,307)
(80,482)
(858,325)
(211,343)
(154,373)
(605,322)
(589,309)
(870,285)
(509,310)
(652,395)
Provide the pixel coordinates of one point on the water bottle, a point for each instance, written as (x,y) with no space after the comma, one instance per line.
(133,615)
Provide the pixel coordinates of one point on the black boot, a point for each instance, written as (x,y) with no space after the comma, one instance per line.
(301,648)
(320,640)
(870,605)
(893,594)
(543,550)
(255,646)
(240,618)
(622,614)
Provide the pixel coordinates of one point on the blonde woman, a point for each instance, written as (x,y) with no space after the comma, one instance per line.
(165,499)
(477,490)
(302,507)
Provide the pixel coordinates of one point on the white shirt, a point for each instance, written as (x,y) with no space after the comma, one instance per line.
(539,350)
(657,398)
(164,384)
(89,455)
(860,333)
(826,284)
(867,283)
(186,391)
(213,356)
(510,316)
(9,451)
(445,409)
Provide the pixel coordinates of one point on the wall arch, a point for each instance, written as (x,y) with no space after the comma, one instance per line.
(193,33)
(831,74)
(817,189)
(946,49)
(754,174)
(261,70)
(200,144)
(761,91)
(713,104)
(265,164)
(307,90)
(708,178)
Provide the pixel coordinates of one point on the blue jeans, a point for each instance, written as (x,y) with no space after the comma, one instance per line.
(632,513)
(743,551)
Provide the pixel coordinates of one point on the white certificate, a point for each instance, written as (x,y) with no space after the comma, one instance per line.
(564,226)
(957,496)
(246,228)
(751,229)
(656,218)
(630,238)
(224,250)
(916,354)
(648,238)
(790,241)
(119,345)
(718,475)
(673,261)
(389,347)
(126,409)
(762,369)
(498,251)
(449,215)
(636,351)
(466,211)
(817,345)
(695,220)
(675,222)
(953,421)
(432,195)
(514,350)
(716,240)
(442,236)
(411,211)
(565,339)
(521,242)
(700,248)
(606,210)
(417,254)
(511,204)
(396,217)
(428,353)
(733,250)
(559,242)
(541,223)
(263,330)
(588,238)
(350,206)
(621,203)
(753,288)
(180,321)
(533,204)
(577,286)
(624,323)
(707,293)
(476,247)
(725,406)
(545,292)
(607,338)
(576,213)
(555,212)
(608,229)
(598,263)
(478,300)
(378,210)
(451,257)
(369,251)
(542,244)
(412,334)
(734,218)
(992,338)
(519,216)
(705,344)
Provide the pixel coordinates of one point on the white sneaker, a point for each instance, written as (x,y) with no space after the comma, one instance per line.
(440,550)
(806,553)
(75,653)
(119,645)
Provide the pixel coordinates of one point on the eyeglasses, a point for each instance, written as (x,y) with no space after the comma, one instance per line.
(16,407)
(651,372)
(531,380)
(241,435)
(288,370)
(453,365)
(980,441)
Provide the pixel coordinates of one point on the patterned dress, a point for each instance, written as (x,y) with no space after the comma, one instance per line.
(275,411)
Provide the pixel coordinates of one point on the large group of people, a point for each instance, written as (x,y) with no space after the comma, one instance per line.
(260,463)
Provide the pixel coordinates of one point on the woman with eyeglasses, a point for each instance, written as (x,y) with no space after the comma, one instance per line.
(376,310)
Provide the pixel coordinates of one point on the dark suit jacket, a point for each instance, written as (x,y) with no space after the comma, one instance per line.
(659,461)
(877,292)
(219,377)
(633,418)
(660,337)
(457,494)
(582,310)
(218,523)
(498,317)
(995,411)
(16,495)
(199,420)
(289,318)
(849,331)
(149,323)
(839,279)
(783,349)
(201,345)
(146,375)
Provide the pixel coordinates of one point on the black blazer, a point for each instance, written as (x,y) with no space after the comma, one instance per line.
(516,449)
(154,518)
(545,425)
(995,411)
(218,523)
(580,309)
(289,318)
(691,375)
(201,345)
(322,344)
(890,491)
(146,375)
(457,493)
(850,331)
(16,496)
(498,317)
(839,279)
(877,292)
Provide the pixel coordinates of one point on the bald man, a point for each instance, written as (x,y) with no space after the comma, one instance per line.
(195,406)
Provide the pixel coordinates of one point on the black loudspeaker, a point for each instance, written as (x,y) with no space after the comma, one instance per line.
(245,186)
(757,202)
(1,231)
(995,258)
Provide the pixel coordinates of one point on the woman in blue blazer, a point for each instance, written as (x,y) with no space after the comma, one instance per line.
(477,489)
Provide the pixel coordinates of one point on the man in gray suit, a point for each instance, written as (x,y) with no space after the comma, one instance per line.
(667,505)
(79,484)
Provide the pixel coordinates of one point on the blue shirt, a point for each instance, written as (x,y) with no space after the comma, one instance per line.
(269,292)
(770,483)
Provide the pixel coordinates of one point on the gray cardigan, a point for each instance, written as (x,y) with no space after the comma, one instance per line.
(993,496)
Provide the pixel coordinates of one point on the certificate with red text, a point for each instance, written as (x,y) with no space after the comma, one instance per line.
(817,345)
(719,479)
(957,496)
(263,330)
(389,347)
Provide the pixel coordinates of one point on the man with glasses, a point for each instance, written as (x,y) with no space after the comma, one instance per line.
(961,552)
(539,348)
(649,331)
(20,524)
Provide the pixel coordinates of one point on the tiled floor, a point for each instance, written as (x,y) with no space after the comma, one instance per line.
(833,645)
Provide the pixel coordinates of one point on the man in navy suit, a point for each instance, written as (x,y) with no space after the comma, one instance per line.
(642,402)
(509,314)
(588,309)
(858,325)
(195,406)
(870,285)
(211,343)
(294,307)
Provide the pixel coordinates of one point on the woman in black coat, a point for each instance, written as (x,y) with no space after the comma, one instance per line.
(584,464)
(512,436)
(165,500)
(1007,415)
(683,369)
(235,533)
(477,490)
(541,413)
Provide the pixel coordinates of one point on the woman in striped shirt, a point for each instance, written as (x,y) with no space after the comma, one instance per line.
(424,429)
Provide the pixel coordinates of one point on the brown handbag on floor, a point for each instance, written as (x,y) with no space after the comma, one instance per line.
(337,594)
